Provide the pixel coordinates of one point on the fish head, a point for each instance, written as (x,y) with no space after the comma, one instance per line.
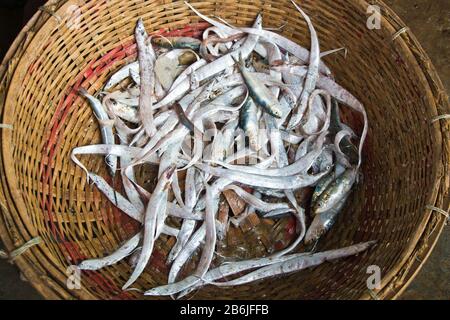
(162,41)
(276,112)
(168,173)
(328,167)
(111,163)
(257,24)
(140,28)
(320,205)
(187,58)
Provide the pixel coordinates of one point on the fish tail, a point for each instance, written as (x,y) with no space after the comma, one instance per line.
(83,91)
(240,60)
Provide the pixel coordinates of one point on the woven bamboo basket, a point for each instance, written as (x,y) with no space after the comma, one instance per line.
(72,43)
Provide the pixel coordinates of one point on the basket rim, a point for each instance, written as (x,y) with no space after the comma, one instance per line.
(415,255)
(38,276)
(425,242)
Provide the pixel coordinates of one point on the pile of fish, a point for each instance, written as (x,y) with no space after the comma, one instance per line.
(244,110)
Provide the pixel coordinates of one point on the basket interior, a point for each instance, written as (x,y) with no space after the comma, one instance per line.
(94,39)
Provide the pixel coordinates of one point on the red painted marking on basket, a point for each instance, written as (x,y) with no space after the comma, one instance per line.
(71,98)
(124,295)
(76,257)
(64,105)
(190,30)
(160,32)
(111,53)
(126,45)
(290,228)
(32,67)
(157,261)
(86,74)
(279,245)
(101,282)
(74,252)
(93,276)
(128,224)
(47,177)
(199,26)
(94,69)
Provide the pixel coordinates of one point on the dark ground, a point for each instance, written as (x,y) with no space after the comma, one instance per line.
(429,20)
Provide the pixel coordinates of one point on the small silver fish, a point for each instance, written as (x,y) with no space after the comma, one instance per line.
(249,123)
(335,192)
(105,128)
(177,43)
(323,222)
(259,92)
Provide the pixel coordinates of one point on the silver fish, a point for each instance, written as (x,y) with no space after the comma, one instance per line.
(335,192)
(105,128)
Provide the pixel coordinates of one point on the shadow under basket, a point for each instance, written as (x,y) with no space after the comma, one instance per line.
(68,44)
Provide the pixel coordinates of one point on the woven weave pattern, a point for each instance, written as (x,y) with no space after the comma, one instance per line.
(44,194)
